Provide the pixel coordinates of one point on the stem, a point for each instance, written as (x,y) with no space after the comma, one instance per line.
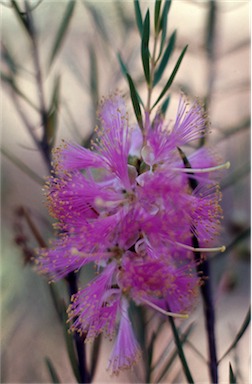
(203,270)
(79,340)
(152,68)
(209,314)
(45,147)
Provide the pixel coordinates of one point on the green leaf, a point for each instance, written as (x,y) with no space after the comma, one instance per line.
(150,350)
(20,16)
(95,355)
(93,77)
(243,235)
(138,15)
(171,78)
(22,166)
(52,118)
(191,180)
(57,300)
(135,102)
(98,20)
(210,33)
(232,378)
(173,356)
(165,59)
(236,175)
(180,351)
(52,371)
(125,20)
(123,67)
(239,335)
(8,59)
(62,31)
(11,82)
(163,24)
(156,17)
(145,47)
(70,345)
(125,72)
(165,105)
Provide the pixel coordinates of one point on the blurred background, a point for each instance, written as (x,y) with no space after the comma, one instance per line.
(70,78)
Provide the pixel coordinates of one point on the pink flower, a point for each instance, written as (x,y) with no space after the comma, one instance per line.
(131,206)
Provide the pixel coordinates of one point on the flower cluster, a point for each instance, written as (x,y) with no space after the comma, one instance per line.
(128,206)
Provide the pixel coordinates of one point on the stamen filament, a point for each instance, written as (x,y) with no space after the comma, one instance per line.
(203,170)
(216,249)
(166,313)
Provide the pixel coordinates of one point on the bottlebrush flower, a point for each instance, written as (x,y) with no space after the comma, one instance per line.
(131,205)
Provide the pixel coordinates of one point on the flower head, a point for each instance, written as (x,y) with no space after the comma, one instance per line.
(133,219)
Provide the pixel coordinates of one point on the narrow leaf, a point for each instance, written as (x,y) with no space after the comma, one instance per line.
(171,78)
(62,30)
(235,176)
(98,20)
(138,15)
(20,16)
(123,67)
(191,180)
(125,72)
(150,350)
(157,13)
(135,101)
(165,59)
(180,351)
(93,76)
(165,105)
(145,47)
(9,60)
(52,371)
(210,33)
(232,378)
(70,347)
(11,82)
(163,24)
(57,301)
(239,335)
(52,119)
(125,20)
(243,235)
(173,356)
(22,166)
(95,355)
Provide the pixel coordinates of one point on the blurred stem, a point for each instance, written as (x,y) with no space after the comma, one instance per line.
(203,270)
(210,40)
(24,118)
(236,128)
(241,237)
(46,149)
(36,233)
